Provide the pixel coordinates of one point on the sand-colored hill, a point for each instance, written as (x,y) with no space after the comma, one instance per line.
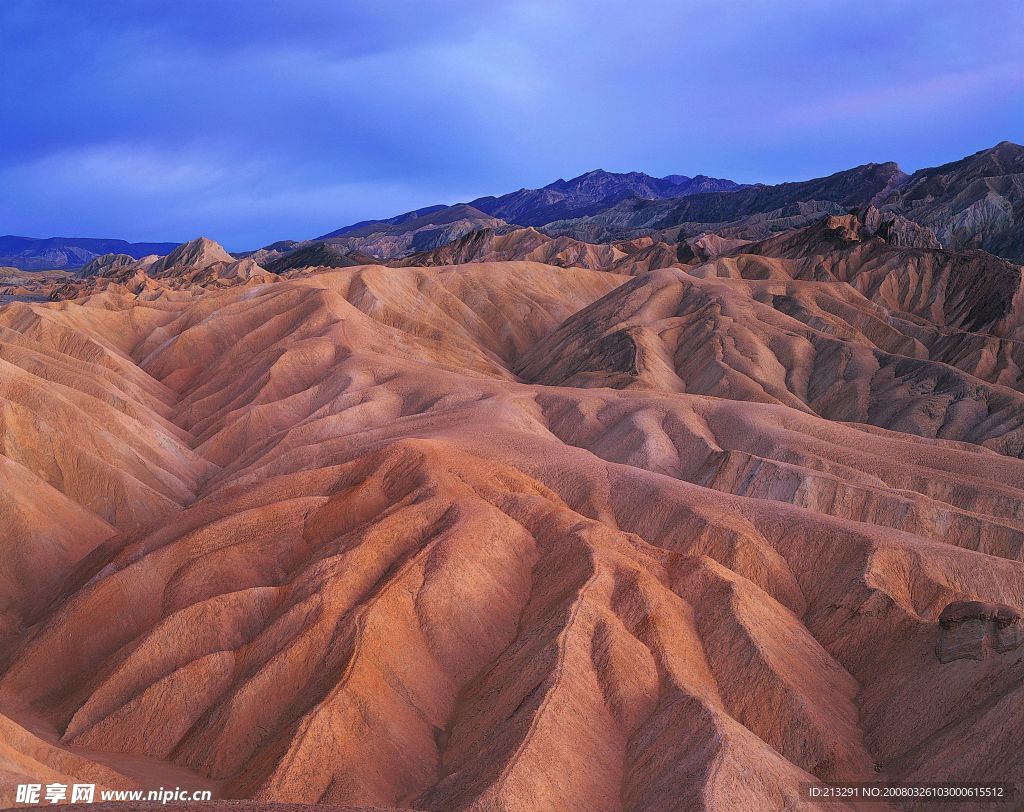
(811,347)
(509,535)
(198,265)
(490,245)
(630,257)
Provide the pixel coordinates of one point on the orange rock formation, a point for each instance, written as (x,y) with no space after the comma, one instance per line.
(514,536)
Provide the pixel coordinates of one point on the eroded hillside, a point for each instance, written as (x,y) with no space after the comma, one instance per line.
(509,535)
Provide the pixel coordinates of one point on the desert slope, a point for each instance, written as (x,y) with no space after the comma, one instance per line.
(509,535)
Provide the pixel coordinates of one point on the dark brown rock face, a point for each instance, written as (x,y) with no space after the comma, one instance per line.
(976,629)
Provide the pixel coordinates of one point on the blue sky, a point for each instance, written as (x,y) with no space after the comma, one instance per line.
(254,121)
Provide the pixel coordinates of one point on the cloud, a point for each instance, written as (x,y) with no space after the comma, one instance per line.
(130,169)
(258,121)
(179,193)
(919,96)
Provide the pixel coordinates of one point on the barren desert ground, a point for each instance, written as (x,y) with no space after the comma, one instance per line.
(518,523)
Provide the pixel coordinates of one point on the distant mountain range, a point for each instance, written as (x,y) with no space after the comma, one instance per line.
(592,192)
(29,253)
(834,194)
(975,202)
(420,230)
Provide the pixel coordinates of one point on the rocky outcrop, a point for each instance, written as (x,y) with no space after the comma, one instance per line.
(896,229)
(975,630)
(976,202)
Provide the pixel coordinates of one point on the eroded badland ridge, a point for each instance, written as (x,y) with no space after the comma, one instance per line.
(684,519)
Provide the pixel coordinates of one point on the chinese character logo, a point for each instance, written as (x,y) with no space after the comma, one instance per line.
(55,793)
(83,793)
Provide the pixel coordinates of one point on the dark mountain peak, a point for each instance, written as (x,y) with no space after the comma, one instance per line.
(850,187)
(599,176)
(411,221)
(1004,149)
(700,184)
(590,193)
(1005,158)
